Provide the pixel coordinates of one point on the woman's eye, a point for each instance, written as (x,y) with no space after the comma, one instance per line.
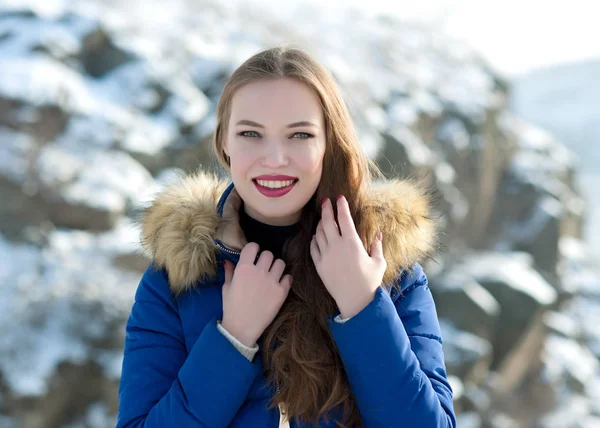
(302,135)
(249,134)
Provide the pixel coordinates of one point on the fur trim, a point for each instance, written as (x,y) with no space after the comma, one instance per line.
(178,229)
(180,226)
(403,210)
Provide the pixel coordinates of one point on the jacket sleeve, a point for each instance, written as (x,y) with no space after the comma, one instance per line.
(392,353)
(162,385)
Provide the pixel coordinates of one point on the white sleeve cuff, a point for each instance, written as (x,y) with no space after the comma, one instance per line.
(246,351)
(341,320)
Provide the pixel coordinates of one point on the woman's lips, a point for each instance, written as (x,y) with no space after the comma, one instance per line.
(275,193)
(275,178)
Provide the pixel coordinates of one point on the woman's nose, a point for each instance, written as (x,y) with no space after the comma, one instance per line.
(275,155)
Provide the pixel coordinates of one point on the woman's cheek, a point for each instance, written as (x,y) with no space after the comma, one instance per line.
(314,159)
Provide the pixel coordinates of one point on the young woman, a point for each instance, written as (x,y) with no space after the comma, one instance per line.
(292,296)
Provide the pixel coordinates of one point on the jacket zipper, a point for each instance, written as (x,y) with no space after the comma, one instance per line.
(227,250)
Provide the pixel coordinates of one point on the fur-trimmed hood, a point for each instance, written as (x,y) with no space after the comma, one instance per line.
(181,225)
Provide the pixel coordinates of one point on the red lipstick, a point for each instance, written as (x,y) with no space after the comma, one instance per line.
(274,193)
(275,177)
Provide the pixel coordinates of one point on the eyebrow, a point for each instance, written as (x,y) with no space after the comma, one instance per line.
(291,125)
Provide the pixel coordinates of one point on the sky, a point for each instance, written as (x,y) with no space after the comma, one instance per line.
(515,36)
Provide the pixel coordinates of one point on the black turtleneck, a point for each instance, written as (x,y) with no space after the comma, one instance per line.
(268,237)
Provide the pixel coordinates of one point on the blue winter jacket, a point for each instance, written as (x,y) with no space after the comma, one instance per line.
(180,371)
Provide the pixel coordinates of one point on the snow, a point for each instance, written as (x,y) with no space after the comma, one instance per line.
(574,410)
(470,91)
(188,102)
(461,346)
(468,420)
(513,269)
(56,301)
(109,181)
(55,167)
(28,34)
(39,80)
(83,133)
(6,422)
(461,280)
(97,416)
(585,312)
(562,324)
(402,111)
(453,132)
(564,101)
(15,150)
(525,232)
(484,299)
(445,173)
(427,103)
(417,152)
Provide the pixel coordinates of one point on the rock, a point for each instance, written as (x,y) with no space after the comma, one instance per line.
(561,325)
(585,313)
(469,420)
(107,186)
(467,147)
(37,96)
(521,292)
(500,420)
(468,305)
(467,356)
(209,73)
(566,361)
(537,201)
(405,154)
(99,55)
(578,269)
(457,388)
(92,105)
(477,399)
(540,233)
(88,191)
(97,416)
(573,412)
(63,312)
(523,296)
(43,122)
(173,127)
(18,209)
(98,132)
(593,388)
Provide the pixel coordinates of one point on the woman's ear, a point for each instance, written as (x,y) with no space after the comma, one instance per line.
(225,149)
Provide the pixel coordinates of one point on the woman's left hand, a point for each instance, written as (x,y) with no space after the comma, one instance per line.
(350,274)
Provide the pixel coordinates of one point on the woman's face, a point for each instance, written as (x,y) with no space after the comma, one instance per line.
(276,143)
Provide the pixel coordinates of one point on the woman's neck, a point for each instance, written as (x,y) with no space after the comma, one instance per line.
(269,237)
(271,221)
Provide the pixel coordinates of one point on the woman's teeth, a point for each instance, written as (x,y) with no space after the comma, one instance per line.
(275,184)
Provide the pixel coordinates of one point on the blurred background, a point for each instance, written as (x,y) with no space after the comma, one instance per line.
(496,103)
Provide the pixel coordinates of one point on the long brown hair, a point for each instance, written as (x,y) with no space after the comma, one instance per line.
(299,353)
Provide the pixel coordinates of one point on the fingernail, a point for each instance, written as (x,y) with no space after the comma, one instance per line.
(340,197)
(379,236)
(323,200)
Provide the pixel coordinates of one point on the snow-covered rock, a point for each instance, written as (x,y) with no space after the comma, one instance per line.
(98,111)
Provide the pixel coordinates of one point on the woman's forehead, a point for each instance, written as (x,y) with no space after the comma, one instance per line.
(281,101)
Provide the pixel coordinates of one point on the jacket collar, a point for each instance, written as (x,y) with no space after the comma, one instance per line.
(191,222)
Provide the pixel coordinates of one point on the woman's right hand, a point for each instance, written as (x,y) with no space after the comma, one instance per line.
(253,293)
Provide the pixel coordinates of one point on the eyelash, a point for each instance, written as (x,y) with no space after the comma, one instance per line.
(242,134)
